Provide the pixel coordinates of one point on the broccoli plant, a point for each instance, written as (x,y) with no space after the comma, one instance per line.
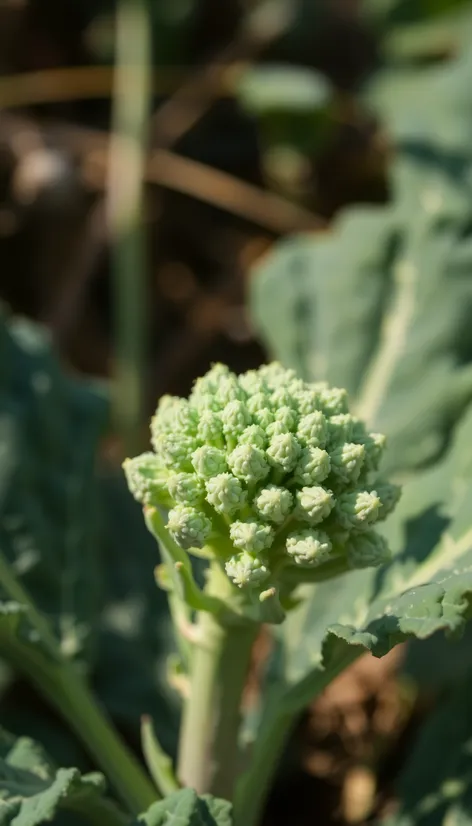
(274,483)
(266,497)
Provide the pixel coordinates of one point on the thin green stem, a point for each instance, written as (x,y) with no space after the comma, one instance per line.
(254,785)
(16,592)
(131,106)
(158,762)
(64,687)
(277,724)
(66,690)
(209,755)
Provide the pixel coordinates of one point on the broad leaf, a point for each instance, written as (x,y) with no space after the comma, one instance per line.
(435,786)
(49,428)
(381,304)
(33,791)
(185,808)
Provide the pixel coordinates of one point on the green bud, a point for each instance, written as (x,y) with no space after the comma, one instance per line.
(184,418)
(252,383)
(210,428)
(346,461)
(167,408)
(313,466)
(206,402)
(374,446)
(333,400)
(188,527)
(263,417)
(367,550)
(286,415)
(389,494)
(225,493)
(358,510)
(248,463)
(273,504)
(210,381)
(145,478)
(276,429)
(341,429)
(258,402)
(229,390)
(251,536)
(283,452)
(175,450)
(308,548)
(186,488)
(235,417)
(282,398)
(245,570)
(307,401)
(314,504)
(253,435)
(276,376)
(313,429)
(209,461)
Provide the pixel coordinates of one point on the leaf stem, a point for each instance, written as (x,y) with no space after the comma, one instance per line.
(278,721)
(158,762)
(254,785)
(61,683)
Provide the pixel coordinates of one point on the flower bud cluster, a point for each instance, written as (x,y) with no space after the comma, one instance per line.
(276,466)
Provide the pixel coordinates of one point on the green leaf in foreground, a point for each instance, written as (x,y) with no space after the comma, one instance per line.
(435,786)
(185,808)
(32,790)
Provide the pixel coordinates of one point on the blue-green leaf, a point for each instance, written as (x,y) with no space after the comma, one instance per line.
(435,786)
(33,791)
(49,532)
(185,808)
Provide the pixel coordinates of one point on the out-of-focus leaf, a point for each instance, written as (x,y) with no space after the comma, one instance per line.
(435,786)
(49,530)
(185,808)
(421,660)
(427,41)
(33,791)
(429,106)
(136,634)
(388,12)
(282,88)
(380,305)
(291,105)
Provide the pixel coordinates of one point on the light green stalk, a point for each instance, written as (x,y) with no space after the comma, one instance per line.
(209,753)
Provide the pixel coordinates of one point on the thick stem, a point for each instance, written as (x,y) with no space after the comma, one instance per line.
(209,756)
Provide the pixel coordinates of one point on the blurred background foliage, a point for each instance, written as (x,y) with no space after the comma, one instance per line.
(250,122)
